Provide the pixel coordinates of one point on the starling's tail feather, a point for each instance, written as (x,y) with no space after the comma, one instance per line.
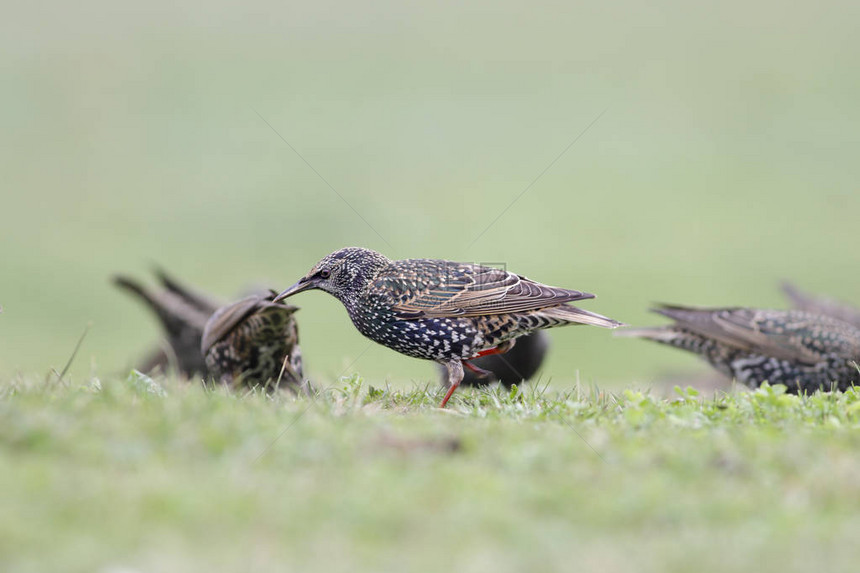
(172,310)
(138,289)
(656,333)
(577,315)
(794,294)
(670,336)
(167,316)
(189,295)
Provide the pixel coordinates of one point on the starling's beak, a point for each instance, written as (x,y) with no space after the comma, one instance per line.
(303,284)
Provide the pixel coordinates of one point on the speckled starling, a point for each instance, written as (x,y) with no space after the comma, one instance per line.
(822,305)
(255,342)
(516,366)
(183,314)
(805,352)
(441,310)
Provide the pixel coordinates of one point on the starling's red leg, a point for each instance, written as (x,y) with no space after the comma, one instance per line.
(455,376)
(448,395)
(480,372)
(500,349)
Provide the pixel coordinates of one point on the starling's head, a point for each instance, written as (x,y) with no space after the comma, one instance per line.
(343,273)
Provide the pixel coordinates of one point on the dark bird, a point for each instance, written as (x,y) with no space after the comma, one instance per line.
(182,313)
(246,335)
(805,352)
(255,342)
(821,305)
(441,310)
(517,365)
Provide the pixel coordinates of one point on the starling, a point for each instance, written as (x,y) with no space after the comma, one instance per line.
(254,341)
(805,352)
(514,367)
(183,314)
(822,305)
(441,310)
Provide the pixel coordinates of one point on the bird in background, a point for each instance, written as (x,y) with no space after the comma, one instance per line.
(441,310)
(804,351)
(254,342)
(183,313)
(243,340)
(516,366)
(821,305)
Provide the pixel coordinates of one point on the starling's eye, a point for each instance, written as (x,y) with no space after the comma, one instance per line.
(325,273)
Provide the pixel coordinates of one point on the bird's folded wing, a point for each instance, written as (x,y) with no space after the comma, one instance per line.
(787,342)
(228,317)
(474,290)
(748,329)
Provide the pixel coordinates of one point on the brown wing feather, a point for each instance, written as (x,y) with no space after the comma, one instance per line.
(226,318)
(743,328)
(474,290)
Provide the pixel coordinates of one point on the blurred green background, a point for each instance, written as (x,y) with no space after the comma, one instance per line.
(725,159)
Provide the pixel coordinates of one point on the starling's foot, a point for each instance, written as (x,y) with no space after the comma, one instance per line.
(448,395)
(479,372)
(455,376)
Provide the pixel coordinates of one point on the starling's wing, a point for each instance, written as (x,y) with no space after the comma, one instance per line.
(429,288)
(787,335)
(816,333)
(226,318)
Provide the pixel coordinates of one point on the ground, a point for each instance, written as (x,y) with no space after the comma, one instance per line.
(143,474)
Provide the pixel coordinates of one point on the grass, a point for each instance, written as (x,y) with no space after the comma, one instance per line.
(139,474)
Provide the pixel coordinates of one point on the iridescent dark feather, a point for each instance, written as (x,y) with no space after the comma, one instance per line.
(803,351)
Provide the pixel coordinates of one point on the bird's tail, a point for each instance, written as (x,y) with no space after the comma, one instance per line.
(191,296)
(666,335)
(796,296)
(571,314)
(171,309)
(139,290)
(686,318)
(672,336)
